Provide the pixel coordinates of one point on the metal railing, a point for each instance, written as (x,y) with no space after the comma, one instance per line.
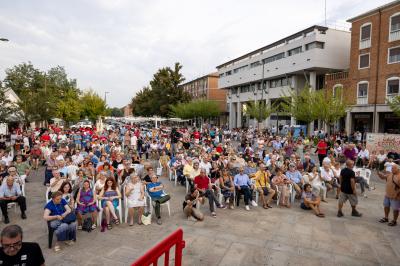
(151,256)
(337,76)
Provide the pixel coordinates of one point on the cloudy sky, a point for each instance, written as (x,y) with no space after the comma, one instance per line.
(117,45)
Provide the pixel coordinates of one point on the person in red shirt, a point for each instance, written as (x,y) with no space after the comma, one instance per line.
(203,185)
(196,136)
(322,149)
(45,137)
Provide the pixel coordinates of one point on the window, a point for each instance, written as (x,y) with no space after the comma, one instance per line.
(228,73)
(273,58)
(395,23)
(394,55)
(366,32)
(294,51)
(337,91)
(239,69)
(313,45)
(393,86)
(362,90)
(364,61)
(255,64)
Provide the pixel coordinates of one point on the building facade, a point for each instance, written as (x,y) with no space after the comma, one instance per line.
(206,88)
(374,74)
(272,72)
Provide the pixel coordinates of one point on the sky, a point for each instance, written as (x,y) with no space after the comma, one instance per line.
(116,46)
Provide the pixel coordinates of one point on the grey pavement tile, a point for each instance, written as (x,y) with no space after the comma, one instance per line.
(277,236)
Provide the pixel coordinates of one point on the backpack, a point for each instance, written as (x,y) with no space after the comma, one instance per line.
(87,225)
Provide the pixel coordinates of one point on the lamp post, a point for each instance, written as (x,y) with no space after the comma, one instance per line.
(105,96)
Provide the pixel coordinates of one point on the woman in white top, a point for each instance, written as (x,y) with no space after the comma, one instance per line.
(101,180)
(134,192)
(327,175)
(317,183)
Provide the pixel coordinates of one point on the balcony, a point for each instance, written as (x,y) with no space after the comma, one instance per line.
(394,36)
(362,100)
(365,44)
(337,76)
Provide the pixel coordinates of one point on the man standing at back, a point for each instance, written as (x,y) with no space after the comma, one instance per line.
(348,189)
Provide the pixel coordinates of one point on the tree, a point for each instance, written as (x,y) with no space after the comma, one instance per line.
(115,112)
(195,109)
(330,108)
(302,106)
(8,110)
(40,92)
(69,108)
(93,105)
(260,111)
(395,105)
(163,92)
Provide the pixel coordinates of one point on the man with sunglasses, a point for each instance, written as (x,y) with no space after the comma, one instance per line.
(15,252)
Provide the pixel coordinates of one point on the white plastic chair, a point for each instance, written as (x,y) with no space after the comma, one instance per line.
(100,214)
(47,194)
(278,195)
(366,174)
(152,206)
(11,204)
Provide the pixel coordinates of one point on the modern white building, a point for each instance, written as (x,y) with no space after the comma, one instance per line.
(269,73)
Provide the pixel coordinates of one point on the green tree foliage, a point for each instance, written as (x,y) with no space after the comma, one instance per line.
(195,109)
(395,105)
(330,108)
(42,93)
(302,105)
(163,92)
(260,110)
(92,105)
(115,112)
(69,108)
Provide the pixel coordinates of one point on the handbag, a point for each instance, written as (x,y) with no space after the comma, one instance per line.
(146,218)
(70,218)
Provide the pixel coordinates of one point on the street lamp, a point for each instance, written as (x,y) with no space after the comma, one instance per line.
(105,96)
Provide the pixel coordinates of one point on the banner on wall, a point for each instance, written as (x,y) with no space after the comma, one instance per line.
(381,141)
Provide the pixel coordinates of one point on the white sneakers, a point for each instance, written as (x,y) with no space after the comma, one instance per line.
(247,208)
(253,203)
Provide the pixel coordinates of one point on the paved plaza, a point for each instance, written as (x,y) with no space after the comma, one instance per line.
(236,237)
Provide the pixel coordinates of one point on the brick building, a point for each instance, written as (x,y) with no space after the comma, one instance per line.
(374,74)
(206,88)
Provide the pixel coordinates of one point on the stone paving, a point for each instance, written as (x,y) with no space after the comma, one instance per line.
(236,237)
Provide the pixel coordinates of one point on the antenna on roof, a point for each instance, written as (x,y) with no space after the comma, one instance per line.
(326,25)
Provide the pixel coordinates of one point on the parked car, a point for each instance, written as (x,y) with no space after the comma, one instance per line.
(83,124)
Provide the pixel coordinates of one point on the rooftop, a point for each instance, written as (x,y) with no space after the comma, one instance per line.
(274,44)
(388,5)
(214,74)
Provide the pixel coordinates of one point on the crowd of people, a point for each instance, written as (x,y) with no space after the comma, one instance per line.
(92,177)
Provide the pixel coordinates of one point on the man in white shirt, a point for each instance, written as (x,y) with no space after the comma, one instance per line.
(205,164)
(363,156)
(382,157)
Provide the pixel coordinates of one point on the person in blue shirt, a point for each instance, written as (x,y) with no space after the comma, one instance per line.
(56,212)
(158,196)
(244,186)
(295,178)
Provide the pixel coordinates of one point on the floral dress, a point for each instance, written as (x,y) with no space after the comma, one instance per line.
(85,198)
